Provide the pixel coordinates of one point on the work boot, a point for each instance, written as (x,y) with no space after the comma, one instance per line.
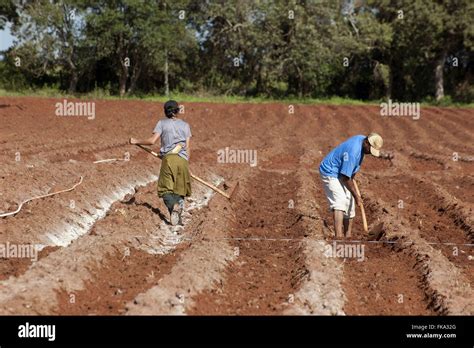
(175,216)
(181,209)
(172,202)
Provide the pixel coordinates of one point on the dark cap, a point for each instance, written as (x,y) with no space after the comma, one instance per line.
(171,108)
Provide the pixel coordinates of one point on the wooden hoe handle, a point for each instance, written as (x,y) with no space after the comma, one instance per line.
(192,175)
(362,210)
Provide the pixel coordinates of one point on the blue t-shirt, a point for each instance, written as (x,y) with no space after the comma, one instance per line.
(345,159)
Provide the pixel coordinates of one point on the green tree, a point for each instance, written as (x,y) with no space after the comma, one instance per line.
(137,35)
(426,33)
(49,36)
(366,42)
(8,12)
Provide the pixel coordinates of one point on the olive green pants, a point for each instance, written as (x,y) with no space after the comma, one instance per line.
(174,176)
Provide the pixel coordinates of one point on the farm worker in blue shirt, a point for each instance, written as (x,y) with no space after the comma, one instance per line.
(338,169)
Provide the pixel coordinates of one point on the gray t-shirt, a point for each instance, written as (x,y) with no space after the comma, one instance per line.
(173,132)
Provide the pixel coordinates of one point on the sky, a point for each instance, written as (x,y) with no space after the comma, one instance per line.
(6,39)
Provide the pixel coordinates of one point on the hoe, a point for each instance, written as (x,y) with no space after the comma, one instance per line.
(195,177)
(375,232)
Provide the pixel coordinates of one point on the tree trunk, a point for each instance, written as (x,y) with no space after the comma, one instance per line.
(439,76)
(390,83)
(300,86)
(300,81)
(123,80)
(167,86)
(64,31)
(74,75)
(259,86)
(134,78)
(73,82)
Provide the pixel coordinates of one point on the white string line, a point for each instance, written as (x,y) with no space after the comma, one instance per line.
(38,197)
(330,241)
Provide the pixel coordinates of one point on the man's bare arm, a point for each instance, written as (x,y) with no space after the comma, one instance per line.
(350,186)
(150,141)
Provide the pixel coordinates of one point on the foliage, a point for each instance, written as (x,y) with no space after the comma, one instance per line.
(361,49)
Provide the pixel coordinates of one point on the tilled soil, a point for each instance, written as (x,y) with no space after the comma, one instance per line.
(265,226)
(106,247)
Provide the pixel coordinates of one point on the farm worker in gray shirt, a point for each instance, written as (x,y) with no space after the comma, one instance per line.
(174,183)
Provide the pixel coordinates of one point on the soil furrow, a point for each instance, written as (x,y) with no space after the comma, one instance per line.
(268,251)
(252,284)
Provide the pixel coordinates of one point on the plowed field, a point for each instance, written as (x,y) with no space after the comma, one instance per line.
(106,247)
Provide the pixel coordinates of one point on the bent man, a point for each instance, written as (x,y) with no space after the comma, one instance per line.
(174,183)
(337,170)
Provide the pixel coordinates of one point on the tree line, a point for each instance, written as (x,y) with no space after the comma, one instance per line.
(363,49)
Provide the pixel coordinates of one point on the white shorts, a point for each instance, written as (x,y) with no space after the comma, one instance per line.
(338,196)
